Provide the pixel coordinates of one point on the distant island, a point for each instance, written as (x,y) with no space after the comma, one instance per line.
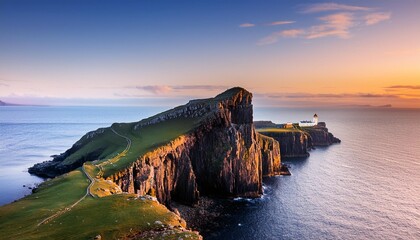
(7,104)
(144,179)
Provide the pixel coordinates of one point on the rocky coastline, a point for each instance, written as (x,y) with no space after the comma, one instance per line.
(298,142)
(222,157)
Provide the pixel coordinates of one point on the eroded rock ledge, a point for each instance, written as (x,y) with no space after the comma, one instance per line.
(223,155)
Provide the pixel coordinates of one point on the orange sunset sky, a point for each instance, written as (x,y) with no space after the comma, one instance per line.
(288,53)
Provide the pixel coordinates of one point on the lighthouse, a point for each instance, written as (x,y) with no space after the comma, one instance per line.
(315,119)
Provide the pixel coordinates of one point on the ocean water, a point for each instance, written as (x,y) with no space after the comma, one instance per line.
(30,135)
(367,187)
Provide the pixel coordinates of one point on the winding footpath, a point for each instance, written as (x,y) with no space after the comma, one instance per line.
(92,181)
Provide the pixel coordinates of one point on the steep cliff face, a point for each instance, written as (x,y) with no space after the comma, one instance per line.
(221,154)
(320,136)
(292,143)
(270,151)
(224,156)
(298,143)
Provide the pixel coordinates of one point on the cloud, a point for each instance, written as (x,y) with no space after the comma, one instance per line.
(274,37)
(270,39)
(337,25)
(155,89)
(165,89)
(246,25)
(324,7)
(374,18)
(280,23)
(334,25)
(4,84)
(331,95)
(410,87)
(292,33)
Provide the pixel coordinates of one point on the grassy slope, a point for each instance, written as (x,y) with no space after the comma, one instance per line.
(111,217)
(108,145)
(148,138)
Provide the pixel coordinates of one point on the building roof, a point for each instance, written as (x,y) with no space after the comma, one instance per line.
(306,121)
(315,115)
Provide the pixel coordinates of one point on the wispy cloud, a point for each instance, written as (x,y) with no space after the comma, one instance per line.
(377,17)
(276,23)
(274,37)
(408,87)
(334,25)
(155,89)
(246,25)
(165,89)
(324,7)
(270,39)
(338,24)
(331,95)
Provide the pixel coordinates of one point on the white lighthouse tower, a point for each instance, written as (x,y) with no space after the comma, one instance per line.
(315,119)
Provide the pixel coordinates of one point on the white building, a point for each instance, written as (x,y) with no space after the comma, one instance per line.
(307,123)
(315,119)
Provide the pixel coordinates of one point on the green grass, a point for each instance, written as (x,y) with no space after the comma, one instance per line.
(262,130)
(21,218)
(107,144)
(112,216)
(143,140)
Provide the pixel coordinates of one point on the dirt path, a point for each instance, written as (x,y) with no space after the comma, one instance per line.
(46,220)
(92,181)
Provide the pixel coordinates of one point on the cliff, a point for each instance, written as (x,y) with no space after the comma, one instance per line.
(292,143)
(297,142)
(320,136)
(207,146)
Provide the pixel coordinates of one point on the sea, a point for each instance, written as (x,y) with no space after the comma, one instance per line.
(367,187)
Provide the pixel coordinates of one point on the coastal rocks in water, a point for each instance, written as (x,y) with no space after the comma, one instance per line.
(297,142)
(292,143)
(320,135)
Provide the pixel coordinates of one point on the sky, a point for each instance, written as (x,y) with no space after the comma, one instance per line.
(288,53)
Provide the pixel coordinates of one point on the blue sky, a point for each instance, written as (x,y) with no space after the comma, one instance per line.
(145,52)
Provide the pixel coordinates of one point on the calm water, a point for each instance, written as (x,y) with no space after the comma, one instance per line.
(368,187)
(32,134)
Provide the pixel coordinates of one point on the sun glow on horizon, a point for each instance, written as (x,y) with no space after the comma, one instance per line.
(287,54)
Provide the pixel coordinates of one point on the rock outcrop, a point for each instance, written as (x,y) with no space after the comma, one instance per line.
(320,136)
(223,155)
(298,142)
(292,143)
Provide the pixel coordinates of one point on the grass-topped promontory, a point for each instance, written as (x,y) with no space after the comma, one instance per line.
(85,203)
(147,138)
(109,147)
(112,217)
